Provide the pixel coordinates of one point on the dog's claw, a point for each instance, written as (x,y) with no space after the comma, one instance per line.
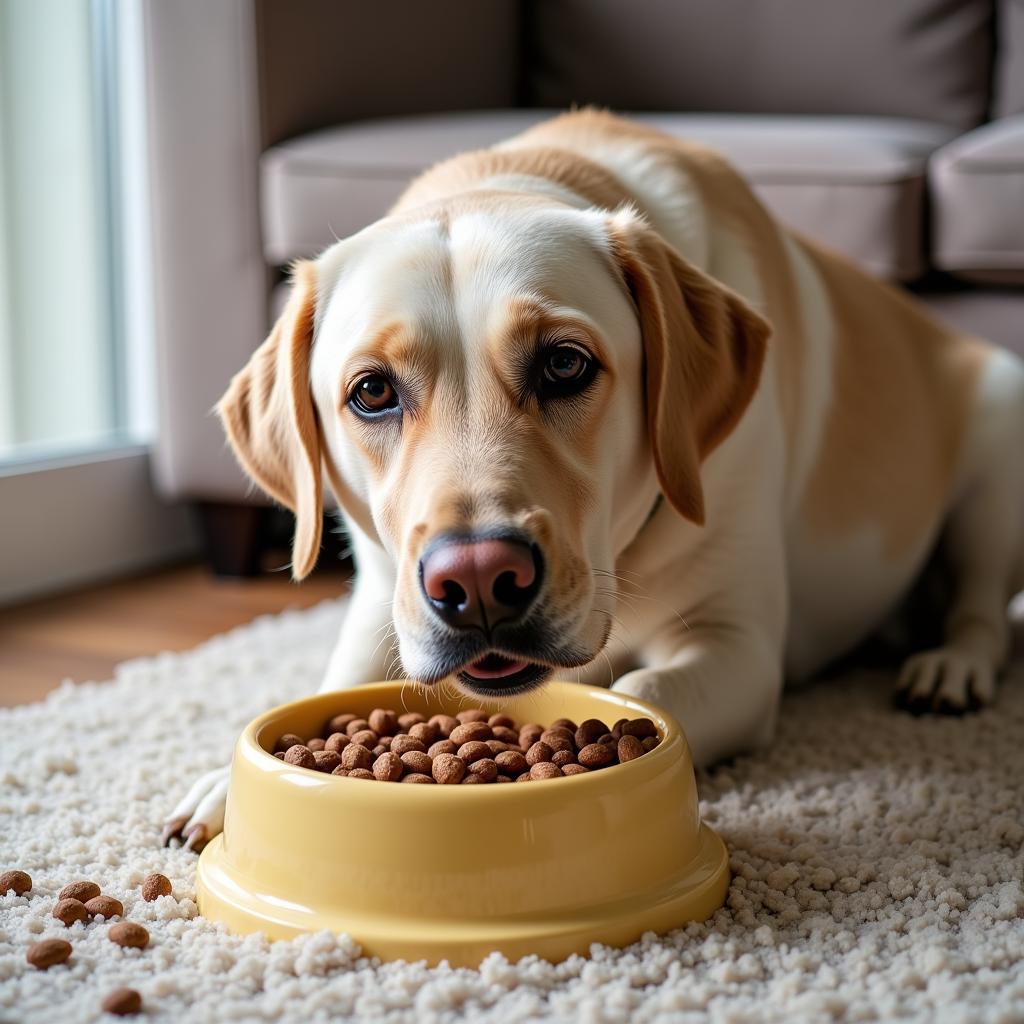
(195,838)
(172,830)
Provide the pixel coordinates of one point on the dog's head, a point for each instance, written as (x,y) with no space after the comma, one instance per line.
(498,390)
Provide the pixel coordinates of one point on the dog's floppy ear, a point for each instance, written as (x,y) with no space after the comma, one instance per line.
(268,415)
(703,352)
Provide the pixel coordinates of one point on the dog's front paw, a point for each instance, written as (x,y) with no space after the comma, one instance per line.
(945,681)
(200,814)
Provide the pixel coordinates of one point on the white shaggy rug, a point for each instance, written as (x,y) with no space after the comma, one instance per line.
(877,861)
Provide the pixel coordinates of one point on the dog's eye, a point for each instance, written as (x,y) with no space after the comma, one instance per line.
(374,393)
(566,369)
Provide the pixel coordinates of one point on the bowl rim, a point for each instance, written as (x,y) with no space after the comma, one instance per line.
(673,740)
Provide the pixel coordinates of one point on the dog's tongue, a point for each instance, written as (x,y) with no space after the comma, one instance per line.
(495,666)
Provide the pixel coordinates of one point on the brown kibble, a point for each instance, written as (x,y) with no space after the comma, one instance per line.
(629,748)
(355,755)
(289,739)
(471,732)
(385,742)
(69,910)
(617,728)
(504,778)
(529,734)
(564,723)
(403,743)
(502,721)
(511,762)
(539,752)
(356,725)
(122,1002)
(589,731)
(378,750)
(316,743)
(360,773)
(425,732)
(409,719)
(596,755)
(326,760)
(18,882)
(419,777)
(563,757)
(557,739)
(448,769)
(607,738)
(105,905)
(650,742)
(417,762)
(365,738)
(388,767)
(444,723)
(48,953)
(639,727)
(574,769)
(154,886)
(505,735)
(300,756)
(279,755)
(443,747)
(383,722)
(545,770)
(472,780)
(80,891)
(485,769)
(339,723)
(497,747)
(474,751)
(337,742)
(128,934)
(340,770)
(472,715)
(525,777)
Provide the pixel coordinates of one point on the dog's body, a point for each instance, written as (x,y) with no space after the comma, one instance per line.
(770,508)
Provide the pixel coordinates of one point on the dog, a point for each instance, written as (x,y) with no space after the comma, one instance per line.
(588,409)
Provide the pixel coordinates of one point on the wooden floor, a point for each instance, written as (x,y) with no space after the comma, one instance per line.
(81,636)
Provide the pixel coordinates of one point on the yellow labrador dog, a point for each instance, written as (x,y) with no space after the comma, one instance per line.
(587,408)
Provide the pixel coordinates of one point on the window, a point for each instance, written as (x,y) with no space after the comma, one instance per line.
(77,396)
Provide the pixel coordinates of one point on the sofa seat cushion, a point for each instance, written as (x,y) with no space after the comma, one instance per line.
(977,187)
(856,184)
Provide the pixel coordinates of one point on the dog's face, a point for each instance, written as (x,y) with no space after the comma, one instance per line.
(498,389)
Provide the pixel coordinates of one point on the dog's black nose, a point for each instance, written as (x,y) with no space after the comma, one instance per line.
(479,583)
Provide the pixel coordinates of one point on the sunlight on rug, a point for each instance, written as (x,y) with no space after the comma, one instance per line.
(877,864)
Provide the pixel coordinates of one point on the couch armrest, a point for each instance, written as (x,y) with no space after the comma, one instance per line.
(977,192)
(325,62)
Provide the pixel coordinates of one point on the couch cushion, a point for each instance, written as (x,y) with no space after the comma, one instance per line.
(904,58)
(977,187)
(854,183)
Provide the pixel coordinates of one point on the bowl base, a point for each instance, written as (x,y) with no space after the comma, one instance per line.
(693,895)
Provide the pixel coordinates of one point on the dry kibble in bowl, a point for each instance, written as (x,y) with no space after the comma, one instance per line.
(471,748)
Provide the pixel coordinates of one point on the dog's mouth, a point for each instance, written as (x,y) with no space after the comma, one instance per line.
(496,673)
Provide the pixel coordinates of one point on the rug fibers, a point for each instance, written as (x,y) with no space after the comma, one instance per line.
(877,864)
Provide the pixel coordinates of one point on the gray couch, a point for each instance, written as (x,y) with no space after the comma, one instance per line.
(893,130)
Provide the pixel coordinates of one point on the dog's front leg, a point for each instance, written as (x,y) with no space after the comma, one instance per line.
(721,682)
(366,647)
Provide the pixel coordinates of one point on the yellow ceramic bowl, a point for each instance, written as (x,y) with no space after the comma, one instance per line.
(454,872)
